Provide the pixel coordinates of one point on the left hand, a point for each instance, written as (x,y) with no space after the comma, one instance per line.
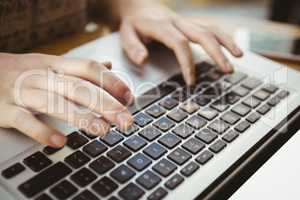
(145,20)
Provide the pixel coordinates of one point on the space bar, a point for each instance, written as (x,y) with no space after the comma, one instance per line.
(44,180)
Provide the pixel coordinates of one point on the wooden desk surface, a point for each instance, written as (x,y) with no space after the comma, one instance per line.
(227,24)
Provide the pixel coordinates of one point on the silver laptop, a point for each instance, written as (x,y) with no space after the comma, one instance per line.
(182,141)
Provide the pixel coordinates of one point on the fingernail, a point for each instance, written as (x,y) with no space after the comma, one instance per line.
(128,97)
(124,120)
(58,140)
(238,51)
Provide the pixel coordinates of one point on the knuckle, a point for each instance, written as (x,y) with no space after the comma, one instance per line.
(91,66)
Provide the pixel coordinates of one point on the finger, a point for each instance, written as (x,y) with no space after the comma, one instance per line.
(132,44)
(107,64)
(207,40)
(27,123)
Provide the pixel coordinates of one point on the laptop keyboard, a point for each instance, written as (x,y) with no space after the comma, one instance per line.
(183,128)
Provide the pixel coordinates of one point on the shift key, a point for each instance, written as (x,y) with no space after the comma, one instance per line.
(44,179)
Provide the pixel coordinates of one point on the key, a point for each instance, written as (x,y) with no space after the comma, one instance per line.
(242,126)
(168,103)
(86,195)
(158,194)
(112,138)
(95,148)
(155,111)
(193,145)
(241,110)
(196,122)
(155,151)
(203,67)
(164,124)
(37,161)
(76,140)
(190,107)
(135,143)
(77,159)
(251,102)
(264,109)
(214,75)
(230,118)
(274,101)
(201,100)
(102,165)
(122,174)
(118,153)
(150,133)
(148,180)
(43,197)
(139,162)
(253,117)
(169,140)
(180,95)
(261,95)
(63,190)
(223,85)
(283,94)
(270,88)
(129,131)
(189,169)
(183,131)
(83,177)
(142,119)
(204,157)
(177,115)
(230,98)
(220,105)
(235,77)
(13,170)
(113,198)
(131,192)
(50,150)
(230,136)
(241,91)
(208,113)
(212,92)
(174,182)
(179,156)
(217,146)
(105,186)
(251,83)
(164,167)
(206,136)
(88,135)
(218,126)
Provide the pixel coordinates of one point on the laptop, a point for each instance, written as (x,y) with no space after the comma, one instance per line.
(182,141)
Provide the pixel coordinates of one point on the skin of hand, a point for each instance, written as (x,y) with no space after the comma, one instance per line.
(147,20)
(57,86)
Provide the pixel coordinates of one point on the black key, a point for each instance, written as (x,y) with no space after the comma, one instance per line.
(118,153)
(235,77)
(158,194)
(164,167)
(179,156)
(122,174)
(131,192)
(164,124)
(139,162)
(94,148)
(214,75)
(113,198)
(223,86)
(169,140)
(86,195)
(204,157)
(183,130)
(230,98)
(196,122)
(88,135)
(50,150)
(189,169)
(155,111)
(112,138)
(168,103)
(241,110)
(180,95)
(264,109)
(203,67)
(274,101)
(177,115)
(77,159)
(43,197)
(37,161)
(135,143)
(282,94)
(217,146)
(261,95)
(212,92)
(208,113)
(270,88)
(155,151)
(242,126)
(13,170)
(142,119)
(44,179)
(201,100)
(253,117)
(189,107)
(251,83)
(150,133)
(220,105)
(76,140)
(193,145)
(102,165)
(230,136)
(63,190)
(231,118)
(148,180)
(105,186)
(206,136)
(133,128)
(218,126)
(83,177)
(174,182)
(241,91)
(251,102)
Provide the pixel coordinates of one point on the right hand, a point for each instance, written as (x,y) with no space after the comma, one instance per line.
(55,86)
